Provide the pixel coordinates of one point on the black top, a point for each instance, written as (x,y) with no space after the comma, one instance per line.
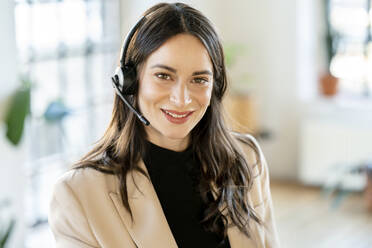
(173,176)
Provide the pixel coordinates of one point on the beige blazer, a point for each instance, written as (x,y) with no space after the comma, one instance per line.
(86,211)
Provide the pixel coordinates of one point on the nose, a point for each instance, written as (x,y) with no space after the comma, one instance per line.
(180,95)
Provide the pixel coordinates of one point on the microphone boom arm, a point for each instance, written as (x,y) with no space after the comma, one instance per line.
(141,117)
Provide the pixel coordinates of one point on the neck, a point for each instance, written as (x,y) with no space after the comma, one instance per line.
(176,145)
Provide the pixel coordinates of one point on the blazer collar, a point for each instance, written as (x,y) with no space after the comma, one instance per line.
(150,228)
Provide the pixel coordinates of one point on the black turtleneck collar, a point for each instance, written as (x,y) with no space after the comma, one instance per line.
(161,154)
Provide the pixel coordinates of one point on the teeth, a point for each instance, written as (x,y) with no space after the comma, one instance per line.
(175,115)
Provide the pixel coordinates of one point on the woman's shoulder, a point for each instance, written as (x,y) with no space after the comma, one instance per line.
(80,175)
(250,148)
(245,138)
(83,180)
(260,189)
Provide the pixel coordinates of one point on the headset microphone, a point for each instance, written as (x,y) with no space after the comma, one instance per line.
(124,80)
(115,84)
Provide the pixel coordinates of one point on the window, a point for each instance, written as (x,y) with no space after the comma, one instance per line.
(351,20)
(69,49)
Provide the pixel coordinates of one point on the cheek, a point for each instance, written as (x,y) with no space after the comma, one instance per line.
(147,93)
(205,97)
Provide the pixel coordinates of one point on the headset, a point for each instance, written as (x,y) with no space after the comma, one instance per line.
(125,77)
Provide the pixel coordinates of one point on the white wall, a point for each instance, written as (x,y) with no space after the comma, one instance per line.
(278,88)
(281,58)
(12,178)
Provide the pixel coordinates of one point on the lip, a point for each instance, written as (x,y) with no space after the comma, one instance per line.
(177,120)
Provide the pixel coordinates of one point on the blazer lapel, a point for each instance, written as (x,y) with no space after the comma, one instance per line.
(149,228)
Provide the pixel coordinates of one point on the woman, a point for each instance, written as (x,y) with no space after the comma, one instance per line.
(176,176)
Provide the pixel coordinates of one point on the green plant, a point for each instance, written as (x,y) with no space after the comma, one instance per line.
(331,35)
(19,108)
(232,52)
(5,235)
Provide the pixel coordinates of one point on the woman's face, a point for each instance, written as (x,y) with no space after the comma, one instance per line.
(175,88)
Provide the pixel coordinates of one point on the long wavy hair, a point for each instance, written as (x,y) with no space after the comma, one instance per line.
(224,171)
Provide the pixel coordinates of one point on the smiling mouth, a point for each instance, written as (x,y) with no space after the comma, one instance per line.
(176,114)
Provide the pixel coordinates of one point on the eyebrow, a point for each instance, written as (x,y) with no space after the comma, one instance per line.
(175,71)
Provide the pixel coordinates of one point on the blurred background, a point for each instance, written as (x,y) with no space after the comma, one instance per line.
(301,82)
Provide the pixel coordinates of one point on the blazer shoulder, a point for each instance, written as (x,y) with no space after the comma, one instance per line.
(255,158)
(251,150)
(85,179)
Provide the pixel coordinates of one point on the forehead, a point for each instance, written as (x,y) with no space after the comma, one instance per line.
(183,52)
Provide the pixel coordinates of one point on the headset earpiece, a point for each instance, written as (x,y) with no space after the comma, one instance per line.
(130,80)
(119,77)
(127,79)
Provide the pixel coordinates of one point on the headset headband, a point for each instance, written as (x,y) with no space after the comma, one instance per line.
(127,41)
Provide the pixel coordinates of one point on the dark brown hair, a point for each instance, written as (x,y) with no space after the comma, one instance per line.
(224,170)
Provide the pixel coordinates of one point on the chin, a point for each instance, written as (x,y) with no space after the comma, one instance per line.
(175,135)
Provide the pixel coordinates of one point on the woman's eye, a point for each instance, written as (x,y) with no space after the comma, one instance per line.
(162,76)
(201,81)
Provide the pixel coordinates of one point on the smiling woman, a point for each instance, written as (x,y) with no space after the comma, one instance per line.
(175,176)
